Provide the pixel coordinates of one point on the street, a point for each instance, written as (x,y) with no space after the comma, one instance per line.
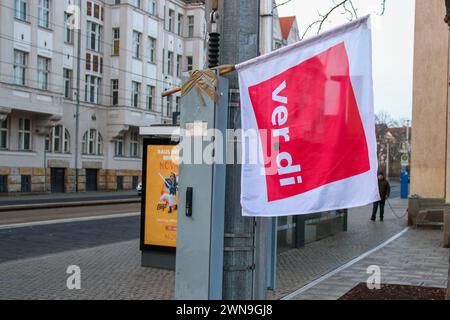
(34,258)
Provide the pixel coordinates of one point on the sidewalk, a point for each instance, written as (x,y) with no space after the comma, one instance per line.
(416,258)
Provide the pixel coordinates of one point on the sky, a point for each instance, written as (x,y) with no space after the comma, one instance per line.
(393,46)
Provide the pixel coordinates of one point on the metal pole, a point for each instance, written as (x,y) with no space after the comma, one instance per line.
(77,112)
(266,46)
(245,238)
(387,160)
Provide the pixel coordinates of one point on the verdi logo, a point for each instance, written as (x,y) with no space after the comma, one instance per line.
(315,125)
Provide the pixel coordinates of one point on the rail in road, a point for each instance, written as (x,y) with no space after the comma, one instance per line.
(65,200)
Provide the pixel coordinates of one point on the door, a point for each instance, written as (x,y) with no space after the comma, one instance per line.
(57,180)
(91,179)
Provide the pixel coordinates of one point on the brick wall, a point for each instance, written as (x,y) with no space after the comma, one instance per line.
(40,179)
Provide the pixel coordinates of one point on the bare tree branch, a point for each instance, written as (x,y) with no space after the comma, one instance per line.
(348,8)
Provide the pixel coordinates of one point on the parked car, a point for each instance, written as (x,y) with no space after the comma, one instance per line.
(139,188)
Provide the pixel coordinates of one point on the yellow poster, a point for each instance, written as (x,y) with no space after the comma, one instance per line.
(161,206)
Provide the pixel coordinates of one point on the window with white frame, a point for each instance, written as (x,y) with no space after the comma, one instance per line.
(24,134)
(58,141)
(180,25)
(115,92)
(136,44)
(135,88)
(150,97)
(151,49)
(20,67)
(44,13)
(92,143)
(67,75)
(152,7)
(43,72)
(68,28)
(169,107)
(179,57)
(190,63)
(20,9)
(134,145)
(191,26)
(118,147)
(171,20)
(4,134)
(116,41)
(137,3)
(170,63)
(177,104)
(94,36)
(92,89)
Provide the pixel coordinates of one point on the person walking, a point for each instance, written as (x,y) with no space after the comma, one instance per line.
(385,190)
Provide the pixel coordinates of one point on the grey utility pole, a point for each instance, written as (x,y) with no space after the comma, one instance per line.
(245,245)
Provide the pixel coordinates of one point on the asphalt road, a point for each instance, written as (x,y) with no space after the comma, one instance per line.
(33,241)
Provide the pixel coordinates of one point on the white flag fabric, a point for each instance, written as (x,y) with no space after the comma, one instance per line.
(309,127)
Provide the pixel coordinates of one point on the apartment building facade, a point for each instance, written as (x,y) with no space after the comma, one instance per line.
(130,51)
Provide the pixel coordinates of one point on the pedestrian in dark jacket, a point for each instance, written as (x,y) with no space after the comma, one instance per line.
(385,190)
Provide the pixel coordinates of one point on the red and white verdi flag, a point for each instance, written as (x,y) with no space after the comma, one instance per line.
(309,128)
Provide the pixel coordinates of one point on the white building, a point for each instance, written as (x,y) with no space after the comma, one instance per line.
(131,51)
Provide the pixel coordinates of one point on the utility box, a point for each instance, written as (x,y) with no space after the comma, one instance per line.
(200,238)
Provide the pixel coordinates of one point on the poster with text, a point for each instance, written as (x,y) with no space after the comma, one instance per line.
(161,207)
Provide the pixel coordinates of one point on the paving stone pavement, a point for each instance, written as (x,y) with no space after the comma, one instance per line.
(113,271)
(417,258)
(298,267)
(107,272)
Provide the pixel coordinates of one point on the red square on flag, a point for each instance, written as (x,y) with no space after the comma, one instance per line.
(313,111)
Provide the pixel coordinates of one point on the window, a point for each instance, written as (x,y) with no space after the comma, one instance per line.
(20,9)
(92,143)
(43,72)
(190,26)
(179,57)
(170,62)
(58,141)
(25,184)
(20,67)
(134,182)
(115,92)
(137,3)
(24,134)
(177,104)
(92,89)
(169,107)
(134,145)
(44,13)
(135,88)
(67,83)
(116,41)
(118,147)
(189,63)
(3,134)
(68,31)
(180,25)
(151,47)
(152,7)
(119,183)
(171,20)
(150,97)
(94,36)
(136,44)
(4,184)
(88,61)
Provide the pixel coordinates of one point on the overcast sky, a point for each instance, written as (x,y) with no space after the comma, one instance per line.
(393,43)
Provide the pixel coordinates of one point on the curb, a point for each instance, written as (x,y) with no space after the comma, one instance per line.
(65,204)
